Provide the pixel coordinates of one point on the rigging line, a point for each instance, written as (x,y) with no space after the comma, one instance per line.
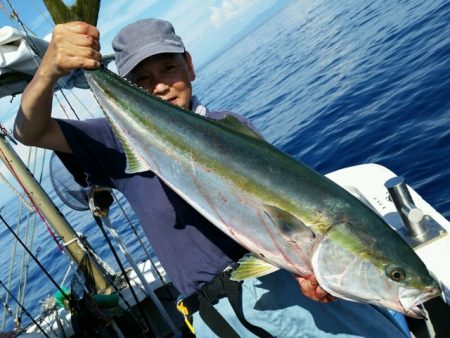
(25,310)
(4,10)
(46,17)
(60,85)
(15,15)
(61,105)
(52,234)
(68,102)
(130,223)
(81,103)
(35,48)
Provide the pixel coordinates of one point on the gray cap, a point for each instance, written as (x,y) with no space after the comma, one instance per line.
(142,39)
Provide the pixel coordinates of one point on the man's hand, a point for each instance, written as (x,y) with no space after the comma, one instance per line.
(73,45)
(311,289)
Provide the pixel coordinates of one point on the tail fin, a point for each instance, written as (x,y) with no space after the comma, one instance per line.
(82,10)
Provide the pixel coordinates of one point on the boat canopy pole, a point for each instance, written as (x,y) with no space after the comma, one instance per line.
(45,206)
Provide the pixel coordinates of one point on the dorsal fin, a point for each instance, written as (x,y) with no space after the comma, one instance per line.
(233,123)
(82,10)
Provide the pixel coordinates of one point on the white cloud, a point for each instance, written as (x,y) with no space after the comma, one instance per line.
(229,10)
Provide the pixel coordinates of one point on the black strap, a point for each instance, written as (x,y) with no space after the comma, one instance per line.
(214,319)
(219,287)
(233,291)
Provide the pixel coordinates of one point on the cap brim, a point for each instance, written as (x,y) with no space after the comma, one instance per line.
(145,52)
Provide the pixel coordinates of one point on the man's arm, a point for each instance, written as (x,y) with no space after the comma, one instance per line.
(73,45)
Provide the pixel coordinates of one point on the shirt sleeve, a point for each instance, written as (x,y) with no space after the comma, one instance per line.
(97,156)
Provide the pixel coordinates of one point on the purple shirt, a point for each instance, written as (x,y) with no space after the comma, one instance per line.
(189,247)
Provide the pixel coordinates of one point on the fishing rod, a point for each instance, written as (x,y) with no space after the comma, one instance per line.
(124,273)
(24,309)
(133,227)
(33,256)
(10,312)
(139,274)
(116,289)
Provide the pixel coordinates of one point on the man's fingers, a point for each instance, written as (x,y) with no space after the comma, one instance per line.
(82,40)
(311,289)
(82,62)
(82,28)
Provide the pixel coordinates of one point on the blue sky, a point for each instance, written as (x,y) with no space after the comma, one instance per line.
(205,26)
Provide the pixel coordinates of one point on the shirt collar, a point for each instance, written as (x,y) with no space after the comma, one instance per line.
(197,107)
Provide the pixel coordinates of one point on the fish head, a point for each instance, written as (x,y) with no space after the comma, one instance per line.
(382,270)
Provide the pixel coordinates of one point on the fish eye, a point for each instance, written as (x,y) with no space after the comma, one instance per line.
(396,274)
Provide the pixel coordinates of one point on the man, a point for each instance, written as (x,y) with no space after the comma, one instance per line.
(192,251)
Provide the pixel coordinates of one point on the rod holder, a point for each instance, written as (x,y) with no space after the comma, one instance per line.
(411,215)
(419,228)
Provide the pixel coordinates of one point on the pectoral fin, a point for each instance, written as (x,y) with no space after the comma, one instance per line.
(299,239)
(251,266)
(287,224)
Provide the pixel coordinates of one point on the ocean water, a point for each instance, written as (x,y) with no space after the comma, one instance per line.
(334,84)
(337,84)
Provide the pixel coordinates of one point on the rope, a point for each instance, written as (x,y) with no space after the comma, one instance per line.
(33,227)
(20,291)
(16,192)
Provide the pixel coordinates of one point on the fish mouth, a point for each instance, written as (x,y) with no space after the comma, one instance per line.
(410,301)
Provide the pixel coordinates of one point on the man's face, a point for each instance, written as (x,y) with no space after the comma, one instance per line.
(166,75)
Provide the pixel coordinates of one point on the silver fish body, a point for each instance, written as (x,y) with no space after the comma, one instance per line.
(284,212)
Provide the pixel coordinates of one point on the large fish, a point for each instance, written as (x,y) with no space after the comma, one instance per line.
(288,215)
